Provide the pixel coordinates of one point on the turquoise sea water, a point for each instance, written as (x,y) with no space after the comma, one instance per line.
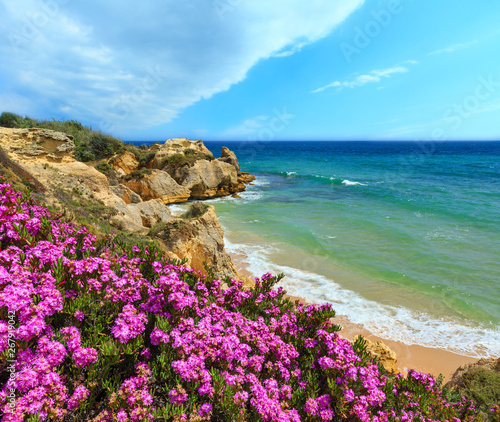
(401,237)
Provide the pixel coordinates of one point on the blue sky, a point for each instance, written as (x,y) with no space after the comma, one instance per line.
(256,69)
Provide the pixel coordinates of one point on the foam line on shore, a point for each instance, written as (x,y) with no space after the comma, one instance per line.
(390,322)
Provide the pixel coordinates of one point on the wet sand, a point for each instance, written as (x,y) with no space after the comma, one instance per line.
(420,358)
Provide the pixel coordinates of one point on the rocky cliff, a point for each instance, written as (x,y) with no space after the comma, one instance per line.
(185,168)
(139,188)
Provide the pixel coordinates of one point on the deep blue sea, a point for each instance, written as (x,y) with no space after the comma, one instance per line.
(402,237)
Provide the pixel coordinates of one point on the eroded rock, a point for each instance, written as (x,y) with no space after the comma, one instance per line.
(180,146)
(151,212)
(383,353)
(199,240)
(126,194)
(158,185)
(208,179)
(229,157)
(37,144)
(124,163)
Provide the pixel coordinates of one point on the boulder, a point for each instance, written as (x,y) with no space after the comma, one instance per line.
(124,163)
(199,240)
(125,193)
(151,212)
(385,356)
(158,185)
(208,179)
(229,157)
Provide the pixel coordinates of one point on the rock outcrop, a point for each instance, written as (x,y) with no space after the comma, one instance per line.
(158,185)
(151,212)
(124,163)
(37,144)
(126,194)
(229,157)
(198,240)
(180,146)
(208,179)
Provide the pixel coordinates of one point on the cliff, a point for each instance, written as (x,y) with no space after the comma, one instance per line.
(132,193)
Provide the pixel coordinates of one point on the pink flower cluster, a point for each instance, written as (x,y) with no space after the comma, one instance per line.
(205,347)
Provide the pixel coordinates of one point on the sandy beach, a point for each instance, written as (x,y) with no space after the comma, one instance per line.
(422,359)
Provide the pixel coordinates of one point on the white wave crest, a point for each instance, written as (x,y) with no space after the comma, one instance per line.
(390,322)
(349,183)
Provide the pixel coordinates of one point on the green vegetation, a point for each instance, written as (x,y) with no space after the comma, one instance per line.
(90,145)
(188,158)
(196,210)
(157,228)
(137,174)
(10,120)
(104,167)
(481,386)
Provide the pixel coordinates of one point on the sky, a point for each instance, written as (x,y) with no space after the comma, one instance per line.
(256,69)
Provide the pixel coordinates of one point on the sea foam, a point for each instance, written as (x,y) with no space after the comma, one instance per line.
(389,322)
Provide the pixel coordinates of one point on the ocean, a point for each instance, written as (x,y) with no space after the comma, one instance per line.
(401,237)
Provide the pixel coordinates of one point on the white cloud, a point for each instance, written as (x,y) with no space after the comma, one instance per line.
(374,76)
(134,65)
(453,48)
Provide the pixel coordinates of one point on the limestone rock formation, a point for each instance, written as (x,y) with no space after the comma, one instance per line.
(151,212)
(383,353)
(140,201)
(124,163)
(158,185)
(36,144)
(244,179)
(179,146)
(208,179)
(229,157)
(126,194)
(199,240)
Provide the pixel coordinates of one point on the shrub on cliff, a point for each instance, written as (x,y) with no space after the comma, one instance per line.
(10,120)
(90,145)
(88,332)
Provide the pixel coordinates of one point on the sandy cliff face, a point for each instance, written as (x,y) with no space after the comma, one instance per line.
(199,240)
